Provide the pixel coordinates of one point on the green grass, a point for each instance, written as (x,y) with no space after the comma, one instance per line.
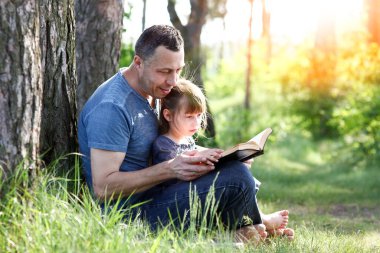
(333,208)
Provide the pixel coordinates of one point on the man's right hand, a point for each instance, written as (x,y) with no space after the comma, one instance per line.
(188,166)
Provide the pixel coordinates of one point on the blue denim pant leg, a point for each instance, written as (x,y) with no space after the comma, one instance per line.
(235,193)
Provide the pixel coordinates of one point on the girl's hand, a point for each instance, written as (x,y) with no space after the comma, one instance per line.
(248,163)
(212,155)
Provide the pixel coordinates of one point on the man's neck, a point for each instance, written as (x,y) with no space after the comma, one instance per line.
(131,75)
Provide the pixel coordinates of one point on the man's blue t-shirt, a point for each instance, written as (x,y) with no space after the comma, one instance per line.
(117,118)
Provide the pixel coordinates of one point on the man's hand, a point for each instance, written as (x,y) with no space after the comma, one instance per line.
(194,164)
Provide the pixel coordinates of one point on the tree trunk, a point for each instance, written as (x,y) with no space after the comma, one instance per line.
(322,73)
(373,10)
(143,16)
(324,58)
(266,17)
(21,83)
(249,60)
(191,33)
(58,127)
(38,82)
(98,43)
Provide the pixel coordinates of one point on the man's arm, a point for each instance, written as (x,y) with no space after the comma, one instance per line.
(108,180)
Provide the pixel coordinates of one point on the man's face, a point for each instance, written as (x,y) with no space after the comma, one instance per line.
(159,74)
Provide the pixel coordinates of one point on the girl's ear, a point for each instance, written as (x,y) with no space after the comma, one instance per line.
(167,115)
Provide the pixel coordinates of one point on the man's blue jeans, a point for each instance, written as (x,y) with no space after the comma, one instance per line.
(234,191)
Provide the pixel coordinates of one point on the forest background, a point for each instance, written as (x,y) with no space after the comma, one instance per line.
(314,77)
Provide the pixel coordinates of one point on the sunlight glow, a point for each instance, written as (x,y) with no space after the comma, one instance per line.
(291,20)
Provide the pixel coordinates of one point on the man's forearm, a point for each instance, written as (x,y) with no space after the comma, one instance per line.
(118,183)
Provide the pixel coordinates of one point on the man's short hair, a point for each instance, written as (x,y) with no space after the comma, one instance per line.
(155,36)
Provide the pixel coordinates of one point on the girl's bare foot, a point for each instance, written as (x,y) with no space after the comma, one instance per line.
(284,232)
(275,232)
(251,234)
(276,220)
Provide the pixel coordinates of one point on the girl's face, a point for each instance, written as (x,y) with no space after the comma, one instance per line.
(182,123)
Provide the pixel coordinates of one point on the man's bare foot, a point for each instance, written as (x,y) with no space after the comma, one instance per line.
(276,220)
(251,234)
(289,233)
(261,229)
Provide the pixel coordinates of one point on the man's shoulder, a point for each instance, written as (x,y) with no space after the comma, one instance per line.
(114,91)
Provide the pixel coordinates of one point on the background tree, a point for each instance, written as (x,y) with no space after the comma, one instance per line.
(98,43)
(191,33)
(249,60)
(373,10)
(266,17)
(218,9)
(143,16)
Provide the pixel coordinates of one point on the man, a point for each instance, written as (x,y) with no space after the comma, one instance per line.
(118,125)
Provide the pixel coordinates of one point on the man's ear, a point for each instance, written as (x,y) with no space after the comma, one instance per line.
(167,115)
(137,61)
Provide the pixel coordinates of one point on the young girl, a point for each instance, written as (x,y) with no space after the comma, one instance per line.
(183,113)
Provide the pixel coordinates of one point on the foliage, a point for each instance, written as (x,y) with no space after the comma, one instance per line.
(358,120)
(331,91)
(126,55)
(307,82)
(127,50)
(344,109)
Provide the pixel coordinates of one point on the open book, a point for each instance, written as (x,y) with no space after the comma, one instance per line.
(247,150)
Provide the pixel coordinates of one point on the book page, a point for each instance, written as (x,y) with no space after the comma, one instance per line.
(261,138)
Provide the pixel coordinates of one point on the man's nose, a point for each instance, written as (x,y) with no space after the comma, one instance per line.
(172,79)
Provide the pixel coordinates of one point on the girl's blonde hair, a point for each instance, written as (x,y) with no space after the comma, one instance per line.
(194,102)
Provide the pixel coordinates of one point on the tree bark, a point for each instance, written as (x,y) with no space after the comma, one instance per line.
(98,43)
(37,72)
(191,33)
(21,84)
(57,41)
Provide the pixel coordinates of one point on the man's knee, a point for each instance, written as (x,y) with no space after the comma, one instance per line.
(236,173)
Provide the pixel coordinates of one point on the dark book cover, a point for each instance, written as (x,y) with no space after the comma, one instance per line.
(242,155)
